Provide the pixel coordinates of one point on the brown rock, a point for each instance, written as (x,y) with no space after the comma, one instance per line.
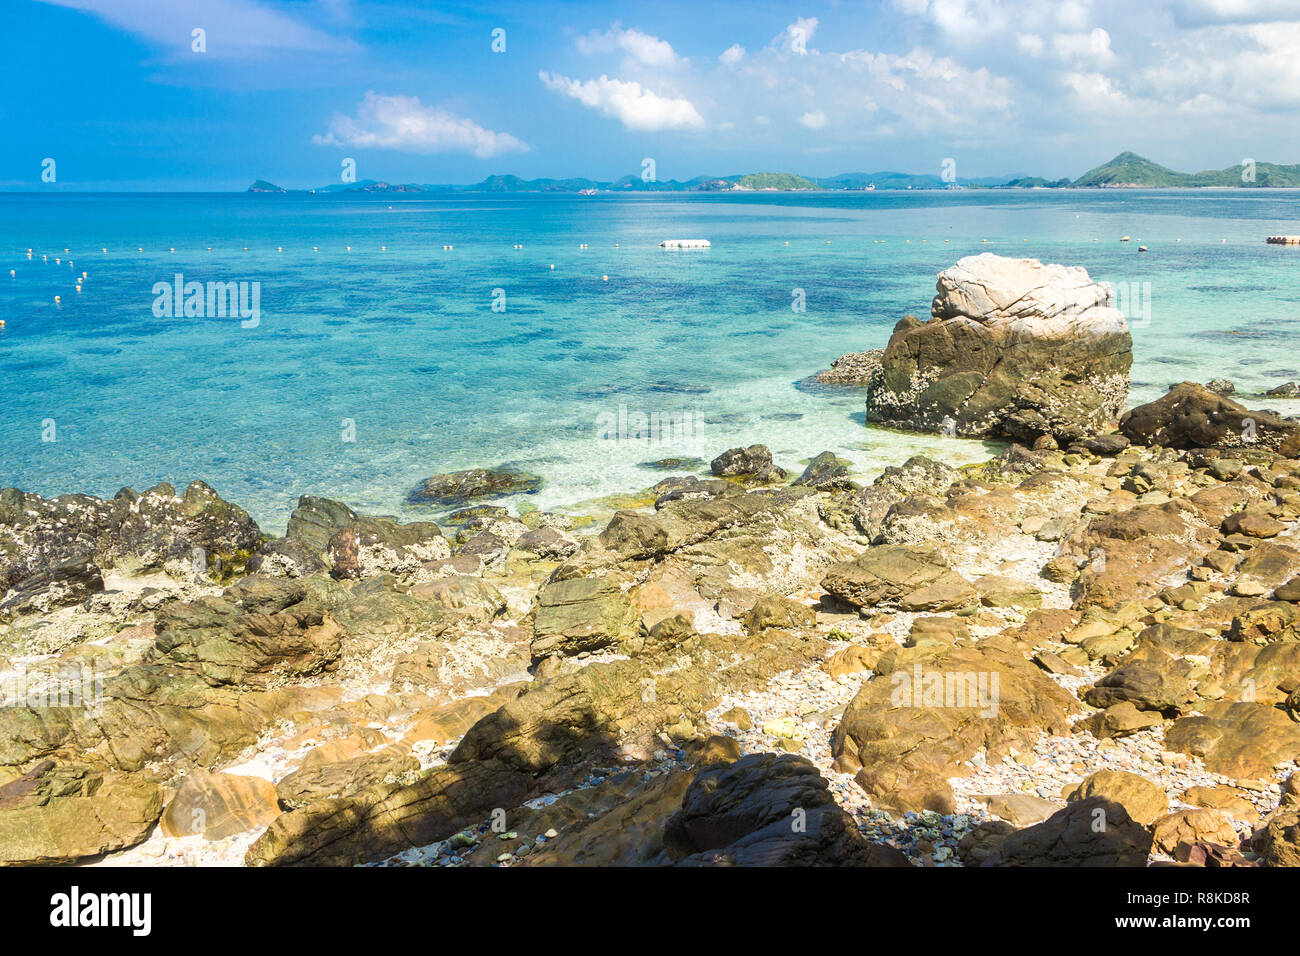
(1193,826)
(1142,799)
(219,805)
(1090,832)
(1237,739)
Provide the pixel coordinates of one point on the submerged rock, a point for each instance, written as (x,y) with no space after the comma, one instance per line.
(1014,348)
(459,487)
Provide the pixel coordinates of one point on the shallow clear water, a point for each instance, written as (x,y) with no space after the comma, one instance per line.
(406,345)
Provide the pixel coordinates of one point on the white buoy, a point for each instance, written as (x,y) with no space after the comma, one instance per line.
(604,278)
(105,249)
(11,273)
(552,266)
(56,298)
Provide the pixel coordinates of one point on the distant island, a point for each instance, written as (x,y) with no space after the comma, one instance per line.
(1126,171)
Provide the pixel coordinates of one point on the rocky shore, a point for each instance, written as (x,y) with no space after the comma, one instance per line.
(764,665)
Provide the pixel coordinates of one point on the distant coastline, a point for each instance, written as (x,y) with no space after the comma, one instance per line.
(1128,170)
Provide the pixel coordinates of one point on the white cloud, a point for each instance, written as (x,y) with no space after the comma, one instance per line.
(634,106)
(233,27)
(403,123)
(732,55)
(1201,12)
(1253,66)
(974,20)
(1093,47)
(642,47)
(1096,93)
(814,120)
(800,33)
(1031,43)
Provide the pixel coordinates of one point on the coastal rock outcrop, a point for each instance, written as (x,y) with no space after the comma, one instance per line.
(752,465)
(856,368)
(1014,348)
(62,813)
(767,810)
(1089,832)
(1192,416)
(52,550)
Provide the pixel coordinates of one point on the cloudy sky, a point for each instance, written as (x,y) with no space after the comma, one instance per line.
(211,94)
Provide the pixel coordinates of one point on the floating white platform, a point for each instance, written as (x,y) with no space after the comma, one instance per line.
(685,244)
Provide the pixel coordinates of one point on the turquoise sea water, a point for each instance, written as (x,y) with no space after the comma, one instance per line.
(404,341)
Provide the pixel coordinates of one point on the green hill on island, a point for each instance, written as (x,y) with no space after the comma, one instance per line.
(1127,170)
(1134,171)
(777,181)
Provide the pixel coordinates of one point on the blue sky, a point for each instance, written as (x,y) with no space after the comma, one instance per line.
(116,94)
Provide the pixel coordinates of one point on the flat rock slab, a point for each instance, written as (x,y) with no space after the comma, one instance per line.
(1241,740)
